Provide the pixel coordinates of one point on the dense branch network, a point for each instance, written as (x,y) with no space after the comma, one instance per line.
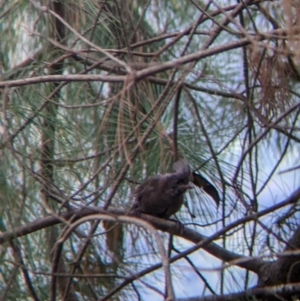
(108,98)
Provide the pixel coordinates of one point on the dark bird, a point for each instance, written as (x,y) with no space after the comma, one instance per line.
(162,195)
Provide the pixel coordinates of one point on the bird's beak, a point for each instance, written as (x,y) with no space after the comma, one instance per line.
(188,186)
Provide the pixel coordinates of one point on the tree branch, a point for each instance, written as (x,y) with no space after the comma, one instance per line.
(249,263)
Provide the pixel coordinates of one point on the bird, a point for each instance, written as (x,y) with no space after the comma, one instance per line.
(163,195)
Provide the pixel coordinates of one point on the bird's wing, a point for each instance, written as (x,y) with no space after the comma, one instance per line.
(148,185)
(149,196)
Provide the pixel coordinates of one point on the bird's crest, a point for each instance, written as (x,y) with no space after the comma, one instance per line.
(182,167)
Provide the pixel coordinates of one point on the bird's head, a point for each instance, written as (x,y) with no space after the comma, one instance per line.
(183,172)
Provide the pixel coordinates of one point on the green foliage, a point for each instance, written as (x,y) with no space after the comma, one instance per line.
(71,142)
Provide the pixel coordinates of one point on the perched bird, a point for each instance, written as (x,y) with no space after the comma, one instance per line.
(162,195)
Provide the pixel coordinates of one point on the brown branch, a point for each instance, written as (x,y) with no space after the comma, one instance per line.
(19,260)
(286,268)
(282,290)
(252,264)
(138,75)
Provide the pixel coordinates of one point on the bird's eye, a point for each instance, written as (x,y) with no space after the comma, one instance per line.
(180,181)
